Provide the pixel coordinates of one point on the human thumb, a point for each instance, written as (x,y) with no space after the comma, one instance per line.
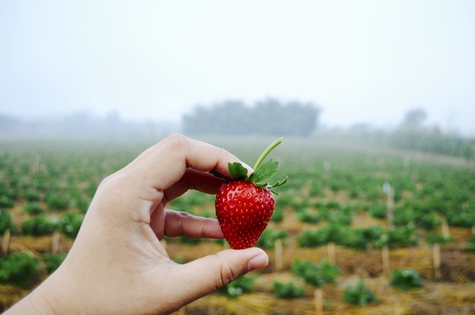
(205,275)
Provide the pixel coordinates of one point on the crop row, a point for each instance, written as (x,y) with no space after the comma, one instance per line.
(329,187)
(46,187)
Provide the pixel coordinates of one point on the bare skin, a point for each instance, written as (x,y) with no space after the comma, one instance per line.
(117,264)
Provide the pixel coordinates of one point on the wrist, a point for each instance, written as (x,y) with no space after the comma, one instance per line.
(35,303)
(46,299)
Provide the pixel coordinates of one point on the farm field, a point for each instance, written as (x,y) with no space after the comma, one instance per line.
(356,230)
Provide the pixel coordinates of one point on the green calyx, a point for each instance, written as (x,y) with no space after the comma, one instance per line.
(263,170)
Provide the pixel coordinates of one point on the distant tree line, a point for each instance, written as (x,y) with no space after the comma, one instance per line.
(267,117)
(7,122)
(86,123)
(412,135)
(433,140)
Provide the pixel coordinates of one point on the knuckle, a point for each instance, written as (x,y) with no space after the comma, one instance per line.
(179,143)
(177,139)
(227,274)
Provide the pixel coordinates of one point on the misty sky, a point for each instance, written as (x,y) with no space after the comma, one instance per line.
(360,61)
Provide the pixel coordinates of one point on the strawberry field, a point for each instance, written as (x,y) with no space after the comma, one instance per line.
(356,229)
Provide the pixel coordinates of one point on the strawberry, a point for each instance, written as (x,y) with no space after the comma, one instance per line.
(245,204)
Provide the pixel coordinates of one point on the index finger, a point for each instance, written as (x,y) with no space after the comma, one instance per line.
(167,163)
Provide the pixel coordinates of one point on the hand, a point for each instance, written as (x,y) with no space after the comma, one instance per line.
(117,264)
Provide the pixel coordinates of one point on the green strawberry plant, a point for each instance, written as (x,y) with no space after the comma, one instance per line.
(434,238)
(269,236)
(189,240)
(278,215)
(240,286)
(69,224)
(309,216)
(288,290)
(6,202)
(361,238)
(57,201)
(6,222)
(318,237)
(80,203)
(462,215)
(315,275)
(355,238)
(18,268)
(471,244)
(406,279)
(37,226)
(344,216)
(359,294)
(53,261)
(31,195)
(377,210)
(33,208)
(405,236)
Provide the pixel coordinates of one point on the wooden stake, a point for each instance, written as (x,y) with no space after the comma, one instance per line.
(397,306)
(318,301)
(278,254)
(445,228)
(331,253)
(436,260)
(182,311)
(6,241)
(385,260)
(55,245)
(389,209)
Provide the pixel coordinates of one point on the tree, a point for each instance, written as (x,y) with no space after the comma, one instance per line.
(8,123)
(266,117)
(415,117)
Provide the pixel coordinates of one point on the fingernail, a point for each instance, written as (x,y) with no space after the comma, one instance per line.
(249,169)
(259,261)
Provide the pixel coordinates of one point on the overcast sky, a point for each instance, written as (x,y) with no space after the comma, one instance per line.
(360,61)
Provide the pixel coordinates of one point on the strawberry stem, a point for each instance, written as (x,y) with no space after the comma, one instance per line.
(266,152)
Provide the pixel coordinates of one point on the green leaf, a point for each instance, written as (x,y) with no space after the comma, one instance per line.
(279,183)
(237,171)
(265,171)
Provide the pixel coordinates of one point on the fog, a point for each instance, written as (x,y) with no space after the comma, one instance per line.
(364,63)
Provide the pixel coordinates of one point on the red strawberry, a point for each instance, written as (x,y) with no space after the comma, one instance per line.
(244,205)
